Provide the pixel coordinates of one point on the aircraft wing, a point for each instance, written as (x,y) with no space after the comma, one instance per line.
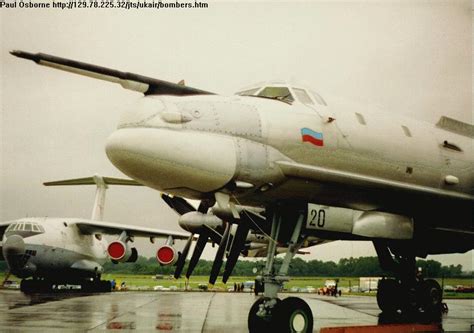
(93,181)
(98,227)
(131,81)
(342,178)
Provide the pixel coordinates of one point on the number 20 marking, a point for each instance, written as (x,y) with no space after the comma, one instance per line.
(318,218)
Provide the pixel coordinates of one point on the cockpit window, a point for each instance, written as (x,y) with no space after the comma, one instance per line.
(281,93)
(248,92)
(24,229)
(302,96)
(318,98)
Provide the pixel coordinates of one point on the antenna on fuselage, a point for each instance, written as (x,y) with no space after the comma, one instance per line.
(101,183)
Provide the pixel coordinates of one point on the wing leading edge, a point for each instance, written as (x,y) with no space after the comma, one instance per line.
(108,228)
(131,81)
(379,185)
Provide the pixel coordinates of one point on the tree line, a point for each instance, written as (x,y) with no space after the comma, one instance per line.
(362,266)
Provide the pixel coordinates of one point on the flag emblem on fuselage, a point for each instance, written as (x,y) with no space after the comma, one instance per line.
(316,138)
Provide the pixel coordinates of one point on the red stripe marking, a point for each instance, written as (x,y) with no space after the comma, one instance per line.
(313,140)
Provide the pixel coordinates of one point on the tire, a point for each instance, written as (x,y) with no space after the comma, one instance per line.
(388,296)
(293,315)
(259,324)
(87,287)
(26,286)
(431,296)
(105,286)
(44,286)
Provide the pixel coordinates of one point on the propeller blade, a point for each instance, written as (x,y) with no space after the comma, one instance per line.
(204,205)
(179,205)
(200,244)
(237,246)
(182,258)
(217,264)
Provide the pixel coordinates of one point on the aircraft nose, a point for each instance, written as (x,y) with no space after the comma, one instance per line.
(179,162)
(142,113)
(13,246)
(14,253)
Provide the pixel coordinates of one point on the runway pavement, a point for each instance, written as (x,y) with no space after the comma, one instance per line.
(184,311)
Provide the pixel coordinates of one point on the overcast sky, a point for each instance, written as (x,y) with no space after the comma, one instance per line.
(409,57)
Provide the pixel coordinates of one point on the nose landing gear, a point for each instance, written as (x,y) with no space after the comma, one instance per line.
(269,313)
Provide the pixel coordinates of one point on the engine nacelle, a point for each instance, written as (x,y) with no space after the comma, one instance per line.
(166,255)
(195,221)
(122,252)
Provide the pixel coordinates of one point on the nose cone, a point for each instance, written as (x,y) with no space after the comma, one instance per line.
(14,253)
(175,161)
(13,246)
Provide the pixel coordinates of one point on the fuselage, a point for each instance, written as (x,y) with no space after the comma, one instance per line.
(52,248)
(194,146)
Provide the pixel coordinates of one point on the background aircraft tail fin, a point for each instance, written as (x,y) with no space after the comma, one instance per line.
(101,183)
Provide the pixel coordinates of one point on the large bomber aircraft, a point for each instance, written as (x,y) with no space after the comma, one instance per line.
(312,167)
(59,251)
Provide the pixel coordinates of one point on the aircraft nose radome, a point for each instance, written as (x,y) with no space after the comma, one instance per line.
(173,160)
(14,245)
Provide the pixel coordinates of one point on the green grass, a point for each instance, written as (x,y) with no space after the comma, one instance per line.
(149,281)
(300,282)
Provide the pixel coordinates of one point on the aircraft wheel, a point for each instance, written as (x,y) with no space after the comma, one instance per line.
(88,287)
(411,301)
(431,295)
(293,315)
(105,286)
(26,286)
(44,286)
(259,324)
(388,295)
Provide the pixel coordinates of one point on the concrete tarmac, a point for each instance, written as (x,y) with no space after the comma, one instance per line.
(184,312)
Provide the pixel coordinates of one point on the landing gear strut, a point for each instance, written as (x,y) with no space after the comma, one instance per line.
(408,294)
(269,313)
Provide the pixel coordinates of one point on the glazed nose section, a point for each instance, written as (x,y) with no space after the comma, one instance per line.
(13,246)
(173,160)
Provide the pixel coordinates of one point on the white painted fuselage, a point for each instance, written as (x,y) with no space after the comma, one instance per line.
(53,248)
(194,146)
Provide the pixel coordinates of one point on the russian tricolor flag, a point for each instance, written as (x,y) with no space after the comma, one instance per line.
(316,138)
